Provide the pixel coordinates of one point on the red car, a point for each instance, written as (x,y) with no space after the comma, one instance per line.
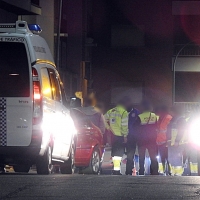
(89,145)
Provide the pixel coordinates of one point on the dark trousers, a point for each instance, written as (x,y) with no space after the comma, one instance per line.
(117,146)
(163,152)
(152,149)
(130,149)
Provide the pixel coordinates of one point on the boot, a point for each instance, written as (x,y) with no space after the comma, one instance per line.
(116,172)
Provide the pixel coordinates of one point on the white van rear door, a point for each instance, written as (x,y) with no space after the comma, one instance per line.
(15,94)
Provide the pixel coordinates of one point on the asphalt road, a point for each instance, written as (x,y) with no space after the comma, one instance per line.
(82,187)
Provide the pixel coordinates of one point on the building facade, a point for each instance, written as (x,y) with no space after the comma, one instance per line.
(137,42)
(74,48)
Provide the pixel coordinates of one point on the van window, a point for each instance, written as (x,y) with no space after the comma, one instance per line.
(46,86)
(54,85)
(64,99)
(14,70)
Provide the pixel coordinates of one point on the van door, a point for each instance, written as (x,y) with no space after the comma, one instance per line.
(57,122)
(68,123)
(15,95)
(49,109)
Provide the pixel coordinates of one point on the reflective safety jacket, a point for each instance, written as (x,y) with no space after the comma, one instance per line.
(147,118)
(147,124)
(185,137)
(162,129)
(176,130)
(117,121)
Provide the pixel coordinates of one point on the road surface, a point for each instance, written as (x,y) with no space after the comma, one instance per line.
(86,187)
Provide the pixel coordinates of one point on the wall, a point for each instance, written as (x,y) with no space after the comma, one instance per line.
(46,21)
(150,64)
(6,17)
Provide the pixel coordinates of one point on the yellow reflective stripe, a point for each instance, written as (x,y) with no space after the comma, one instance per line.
(184,139)
(115,115)
(177,170)
(145,123)
(117,162)
(173,136)
(160,168)
(193,167)
(40,61)
(125,119)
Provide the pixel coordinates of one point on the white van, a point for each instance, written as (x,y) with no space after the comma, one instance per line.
(35,124)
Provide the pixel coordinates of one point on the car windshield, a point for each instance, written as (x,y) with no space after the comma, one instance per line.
(14,70)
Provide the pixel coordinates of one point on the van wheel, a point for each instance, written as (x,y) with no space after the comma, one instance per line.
(44,163)
(21,168)
(68,166)
(95,164)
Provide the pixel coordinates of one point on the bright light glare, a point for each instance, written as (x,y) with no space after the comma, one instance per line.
(195,132)
(61,126)
(47,91)
(13,74)
(37,96)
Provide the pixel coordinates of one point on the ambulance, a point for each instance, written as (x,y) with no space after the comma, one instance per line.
(35,123)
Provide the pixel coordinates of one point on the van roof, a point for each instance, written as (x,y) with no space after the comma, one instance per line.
(18,27)
(20,32)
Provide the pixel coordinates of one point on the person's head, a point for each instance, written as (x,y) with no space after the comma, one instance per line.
(187,114)
(146,106)
(87,102)
(101,107)
(162,111)
(126,102)
(177,111)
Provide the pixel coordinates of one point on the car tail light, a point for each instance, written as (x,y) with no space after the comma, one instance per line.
(37,98)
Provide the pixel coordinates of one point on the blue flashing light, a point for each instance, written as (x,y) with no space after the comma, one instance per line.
(35,28)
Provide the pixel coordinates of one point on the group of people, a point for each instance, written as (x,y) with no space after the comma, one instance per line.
(164,133)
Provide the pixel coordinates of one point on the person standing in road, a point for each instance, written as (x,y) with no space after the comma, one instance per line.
(191,143)
(132,135)
(117,120)
(175,133)
(92,114)
(161,140)
(146,137)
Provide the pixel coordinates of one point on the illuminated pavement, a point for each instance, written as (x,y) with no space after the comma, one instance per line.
(84,187)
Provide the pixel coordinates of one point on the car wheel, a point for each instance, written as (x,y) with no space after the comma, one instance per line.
(44,163)
(95,163)
(21,168)
(68,166)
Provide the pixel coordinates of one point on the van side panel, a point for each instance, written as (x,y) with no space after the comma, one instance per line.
(16,94)
(19,121)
